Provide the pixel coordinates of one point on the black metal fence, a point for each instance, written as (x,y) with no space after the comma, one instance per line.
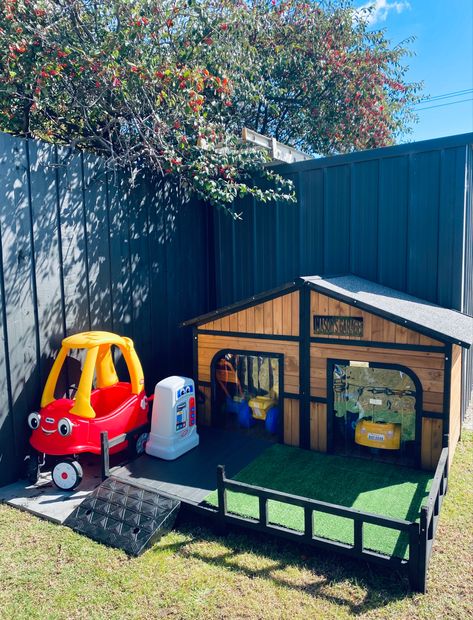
(81,249)
(401,216)
(420,536)
(467,305)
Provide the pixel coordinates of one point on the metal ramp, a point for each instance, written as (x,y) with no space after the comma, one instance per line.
(123,515)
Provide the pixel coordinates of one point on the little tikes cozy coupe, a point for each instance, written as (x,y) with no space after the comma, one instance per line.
(66,427)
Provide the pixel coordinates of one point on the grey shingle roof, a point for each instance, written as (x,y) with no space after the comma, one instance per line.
(400,307)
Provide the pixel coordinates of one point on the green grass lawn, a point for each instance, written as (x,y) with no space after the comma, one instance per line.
(369,486)
(50,572)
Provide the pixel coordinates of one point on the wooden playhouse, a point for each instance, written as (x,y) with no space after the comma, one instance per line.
(337,364)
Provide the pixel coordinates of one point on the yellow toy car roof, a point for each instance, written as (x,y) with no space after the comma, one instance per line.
(99,362)
(88,340)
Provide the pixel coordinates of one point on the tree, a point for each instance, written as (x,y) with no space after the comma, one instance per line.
(168,85)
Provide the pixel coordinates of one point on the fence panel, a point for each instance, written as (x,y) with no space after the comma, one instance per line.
(81,249)
(467,384)
(399,215)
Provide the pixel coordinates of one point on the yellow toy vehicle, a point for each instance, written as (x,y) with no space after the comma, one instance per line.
(384,435)
(260,405)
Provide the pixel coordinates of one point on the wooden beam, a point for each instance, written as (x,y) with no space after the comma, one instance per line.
(279,152)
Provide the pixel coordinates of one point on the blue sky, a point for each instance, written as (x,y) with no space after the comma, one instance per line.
(443,61)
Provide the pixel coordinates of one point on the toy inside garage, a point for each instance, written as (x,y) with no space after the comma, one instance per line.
(341,366)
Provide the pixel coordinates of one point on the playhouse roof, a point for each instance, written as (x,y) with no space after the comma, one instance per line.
(397,306)
(401,308)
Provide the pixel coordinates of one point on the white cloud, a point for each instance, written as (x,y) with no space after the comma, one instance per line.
(380,10)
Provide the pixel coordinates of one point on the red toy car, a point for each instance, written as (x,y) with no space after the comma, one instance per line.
(71,426)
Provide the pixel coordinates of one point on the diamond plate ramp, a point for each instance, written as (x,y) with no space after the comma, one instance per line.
(125,516)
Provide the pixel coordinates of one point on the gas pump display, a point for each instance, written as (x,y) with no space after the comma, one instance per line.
(173,421)
(181,417)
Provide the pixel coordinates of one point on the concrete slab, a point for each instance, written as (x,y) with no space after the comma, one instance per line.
(45,500)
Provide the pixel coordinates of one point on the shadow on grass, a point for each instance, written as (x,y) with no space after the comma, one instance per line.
(375,586)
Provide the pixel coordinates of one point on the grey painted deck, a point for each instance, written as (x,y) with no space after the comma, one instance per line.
(193,476)
(45,500)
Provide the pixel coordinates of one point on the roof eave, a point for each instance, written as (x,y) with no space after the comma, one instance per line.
(244,303)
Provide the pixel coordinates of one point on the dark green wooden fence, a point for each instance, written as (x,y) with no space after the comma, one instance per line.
(82,250)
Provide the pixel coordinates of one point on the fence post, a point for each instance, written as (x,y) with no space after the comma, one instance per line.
(222,499)
(263,510)
(414,556)
(445,475)
(308,523)
(423,550)
(358,535)
(105,455)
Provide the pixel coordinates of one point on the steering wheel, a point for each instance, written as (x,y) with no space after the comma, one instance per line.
(71,391)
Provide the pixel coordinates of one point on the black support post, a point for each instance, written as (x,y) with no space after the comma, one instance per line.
(105,454)
(263,511)
(304,367)
(423,551)
(446,390)
(308,523)
(358,535)
(222,500)
(414,556)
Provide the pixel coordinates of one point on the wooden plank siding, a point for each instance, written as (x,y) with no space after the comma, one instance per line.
(209,345)
(318,427)
(375,328)
(428,366)
(455,400)
(431,446)
(204,405)
(291,422)
(279,316)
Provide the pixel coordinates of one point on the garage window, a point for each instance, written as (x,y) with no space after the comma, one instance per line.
(375,412)
(247,393)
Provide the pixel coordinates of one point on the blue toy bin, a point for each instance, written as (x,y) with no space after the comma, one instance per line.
(272,420)
(233,406)
(245,415)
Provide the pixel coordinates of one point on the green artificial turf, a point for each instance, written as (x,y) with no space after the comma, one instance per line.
(369,486)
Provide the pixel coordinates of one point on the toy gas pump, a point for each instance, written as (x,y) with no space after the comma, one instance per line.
(173,420)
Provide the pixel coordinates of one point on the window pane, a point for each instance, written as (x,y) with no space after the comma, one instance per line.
(247,394)
(375,411)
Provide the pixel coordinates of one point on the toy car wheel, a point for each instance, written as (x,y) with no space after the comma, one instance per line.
(67,475)
(32,468)
(138,445)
